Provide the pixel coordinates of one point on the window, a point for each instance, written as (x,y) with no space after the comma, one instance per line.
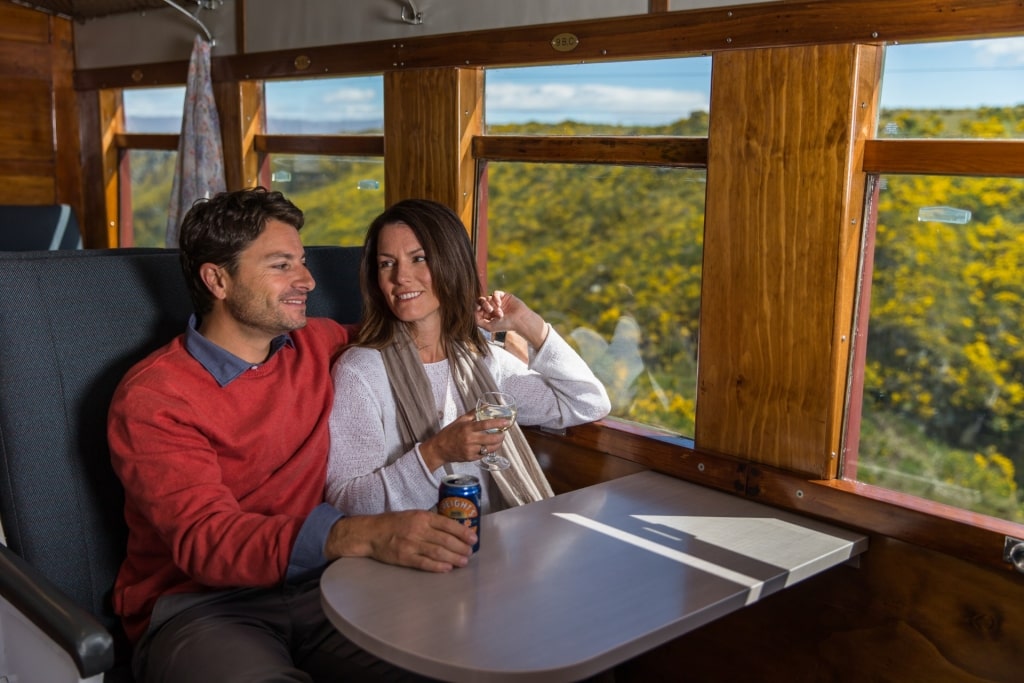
(943,404)
(943,374)
(340,196)
(609,253)
(325,106)
(651,97)
(153,110)
(150,113)
(318,137)
(962,89)
(151,180)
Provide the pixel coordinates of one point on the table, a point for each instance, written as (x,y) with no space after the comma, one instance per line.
(567,587)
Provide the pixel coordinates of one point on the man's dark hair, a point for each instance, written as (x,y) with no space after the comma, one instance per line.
(218,229)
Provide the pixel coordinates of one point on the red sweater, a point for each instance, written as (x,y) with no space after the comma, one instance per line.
(218,480)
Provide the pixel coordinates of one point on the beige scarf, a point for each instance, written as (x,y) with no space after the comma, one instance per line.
(523,482)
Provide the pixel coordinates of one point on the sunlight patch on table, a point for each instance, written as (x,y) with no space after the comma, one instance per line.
(754,584)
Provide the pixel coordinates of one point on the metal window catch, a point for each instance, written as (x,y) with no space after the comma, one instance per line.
(1013,552)
(414,16)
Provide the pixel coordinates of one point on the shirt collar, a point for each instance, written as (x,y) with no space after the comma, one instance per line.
(219,362)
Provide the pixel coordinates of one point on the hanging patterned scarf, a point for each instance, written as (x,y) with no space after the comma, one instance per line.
(523,482)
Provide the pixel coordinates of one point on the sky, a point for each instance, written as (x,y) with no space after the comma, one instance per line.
(964,74)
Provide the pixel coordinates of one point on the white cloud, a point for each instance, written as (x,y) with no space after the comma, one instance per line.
(349,95)
(590,103)
(1001,52)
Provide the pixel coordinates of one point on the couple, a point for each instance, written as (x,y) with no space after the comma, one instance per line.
(222,438)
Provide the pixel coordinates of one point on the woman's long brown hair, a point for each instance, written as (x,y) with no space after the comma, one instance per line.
(453,272)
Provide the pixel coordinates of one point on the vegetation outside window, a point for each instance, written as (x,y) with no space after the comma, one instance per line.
(339,193)
(611,256)
(340,196)
(941,415)
(958,89)
(943,402)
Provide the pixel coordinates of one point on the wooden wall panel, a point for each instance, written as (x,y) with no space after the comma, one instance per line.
(102,120)
(40,161)
(242,118)
(905,614)
(67,138)
(37,188)
(24,26)
(779,156)
(430,117)
(26,125)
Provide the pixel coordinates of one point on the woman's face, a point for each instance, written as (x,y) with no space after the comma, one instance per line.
(404,275)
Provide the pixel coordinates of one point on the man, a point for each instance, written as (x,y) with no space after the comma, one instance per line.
(220,439)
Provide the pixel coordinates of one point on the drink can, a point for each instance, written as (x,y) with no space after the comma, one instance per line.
(459,499)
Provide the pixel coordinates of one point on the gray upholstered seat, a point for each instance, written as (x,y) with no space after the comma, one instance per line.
(71,324)
(38,227)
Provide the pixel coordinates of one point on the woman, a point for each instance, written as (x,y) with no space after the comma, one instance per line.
(404,393)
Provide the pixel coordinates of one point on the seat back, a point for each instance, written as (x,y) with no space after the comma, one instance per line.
(38,227)
(71,325)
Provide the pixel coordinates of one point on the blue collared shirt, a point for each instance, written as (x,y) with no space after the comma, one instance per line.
(307,559)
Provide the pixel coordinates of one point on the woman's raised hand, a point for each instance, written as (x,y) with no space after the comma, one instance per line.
(503,311)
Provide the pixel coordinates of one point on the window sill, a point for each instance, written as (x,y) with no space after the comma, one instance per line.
(970,536)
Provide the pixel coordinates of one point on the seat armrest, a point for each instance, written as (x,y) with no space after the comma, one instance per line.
(71,628)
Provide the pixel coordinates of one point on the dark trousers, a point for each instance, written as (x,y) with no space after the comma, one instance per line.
(251,635)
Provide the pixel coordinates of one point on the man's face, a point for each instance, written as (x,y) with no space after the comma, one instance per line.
(267,294)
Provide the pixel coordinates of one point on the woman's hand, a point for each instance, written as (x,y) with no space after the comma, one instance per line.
(504,311)
(464,440)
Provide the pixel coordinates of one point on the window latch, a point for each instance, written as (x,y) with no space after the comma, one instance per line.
(1013,552)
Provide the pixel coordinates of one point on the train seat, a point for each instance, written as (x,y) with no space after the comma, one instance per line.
(71,324)
(38,227)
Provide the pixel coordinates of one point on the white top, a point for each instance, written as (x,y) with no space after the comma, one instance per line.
(566,587)
(369,472)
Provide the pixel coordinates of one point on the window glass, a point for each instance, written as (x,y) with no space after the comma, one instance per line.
(611,257)
(325,106)
(153,110)
(959,89)
(650,97)
(340,196)
(152,174)
(942,412)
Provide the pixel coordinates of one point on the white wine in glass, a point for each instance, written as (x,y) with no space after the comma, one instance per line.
(491,405)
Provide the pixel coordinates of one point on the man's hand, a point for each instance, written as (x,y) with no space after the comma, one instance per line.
(414,538)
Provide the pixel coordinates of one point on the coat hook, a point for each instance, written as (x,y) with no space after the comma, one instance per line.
(415,16)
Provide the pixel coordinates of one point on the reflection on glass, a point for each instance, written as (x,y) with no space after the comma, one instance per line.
(611,257)
(340,196)
(152,174)
(650,97)
(959,89)
(943,401)
(153,110)
(325,106)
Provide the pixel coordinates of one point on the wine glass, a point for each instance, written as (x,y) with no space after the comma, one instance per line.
(494,404)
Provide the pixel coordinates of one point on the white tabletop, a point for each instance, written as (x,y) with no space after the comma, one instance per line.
(568,587)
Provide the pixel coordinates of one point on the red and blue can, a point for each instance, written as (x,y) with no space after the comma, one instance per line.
(459,499)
